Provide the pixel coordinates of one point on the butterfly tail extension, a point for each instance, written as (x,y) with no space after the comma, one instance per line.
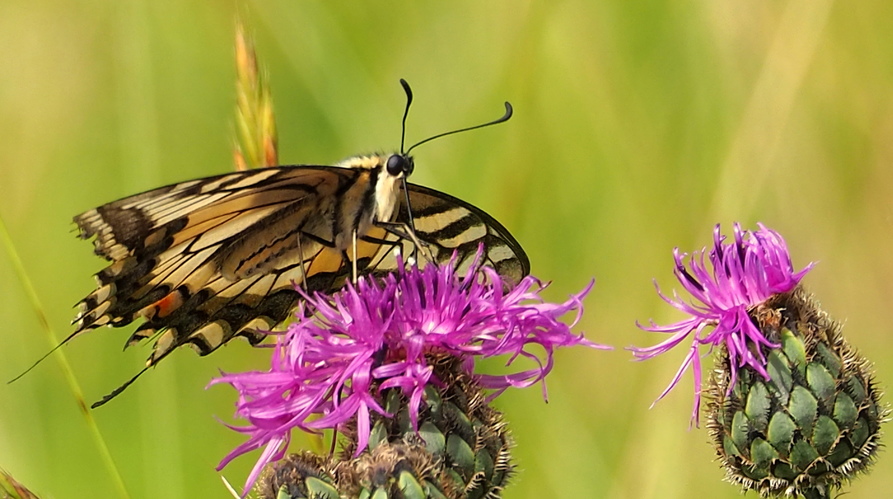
(117,391)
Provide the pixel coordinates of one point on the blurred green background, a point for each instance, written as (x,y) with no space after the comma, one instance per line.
(638,126)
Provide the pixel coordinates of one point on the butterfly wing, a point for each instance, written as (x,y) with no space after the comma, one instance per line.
(448,225)
(207,260)
(211,259)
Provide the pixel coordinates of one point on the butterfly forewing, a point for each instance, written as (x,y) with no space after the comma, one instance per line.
(207,260)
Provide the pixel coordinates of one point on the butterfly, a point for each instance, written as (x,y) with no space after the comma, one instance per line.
(207,260)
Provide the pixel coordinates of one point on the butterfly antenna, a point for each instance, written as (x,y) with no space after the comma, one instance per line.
(505,117)
(120,389)
(408,91)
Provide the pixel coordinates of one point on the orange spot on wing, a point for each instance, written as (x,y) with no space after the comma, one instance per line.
(166,305)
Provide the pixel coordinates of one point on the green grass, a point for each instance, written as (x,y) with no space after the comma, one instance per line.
(638,126)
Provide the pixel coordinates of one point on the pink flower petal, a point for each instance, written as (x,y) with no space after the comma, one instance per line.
(741,274)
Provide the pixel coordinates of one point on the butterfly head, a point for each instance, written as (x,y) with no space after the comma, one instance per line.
(400,165)
(397,168)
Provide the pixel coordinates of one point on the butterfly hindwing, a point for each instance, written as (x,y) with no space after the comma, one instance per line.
(206,260)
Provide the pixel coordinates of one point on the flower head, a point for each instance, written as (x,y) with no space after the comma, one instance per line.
(331,365)
(745,273)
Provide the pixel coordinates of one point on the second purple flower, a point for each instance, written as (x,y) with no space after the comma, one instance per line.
(726,282)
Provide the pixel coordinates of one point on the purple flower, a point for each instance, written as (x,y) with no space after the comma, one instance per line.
(745,273)
(332,364)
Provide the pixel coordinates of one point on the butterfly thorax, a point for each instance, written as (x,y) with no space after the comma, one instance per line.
(373,197)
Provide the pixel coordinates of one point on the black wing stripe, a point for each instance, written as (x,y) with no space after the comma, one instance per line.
(176,208)
(460,217)
(226,228)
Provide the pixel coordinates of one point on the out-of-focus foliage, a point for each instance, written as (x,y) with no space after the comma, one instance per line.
(11,489)
(638,126)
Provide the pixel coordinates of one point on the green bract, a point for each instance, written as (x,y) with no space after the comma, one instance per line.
(814,424)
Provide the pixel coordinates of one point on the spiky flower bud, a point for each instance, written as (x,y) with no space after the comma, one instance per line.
(297,476)
(792,408)
(814,423)
(460,451)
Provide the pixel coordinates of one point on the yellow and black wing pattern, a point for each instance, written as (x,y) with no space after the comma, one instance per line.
(207,260)
(447,225)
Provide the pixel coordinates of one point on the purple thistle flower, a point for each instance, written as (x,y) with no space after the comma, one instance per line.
(332,364)
(745,273)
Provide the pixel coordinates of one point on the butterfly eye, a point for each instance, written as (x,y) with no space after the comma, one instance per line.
(398,164)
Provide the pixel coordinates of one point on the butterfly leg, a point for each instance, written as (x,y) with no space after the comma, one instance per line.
(390,244)
(354,259)
(347,262)
(396,244)
(404,231)
(303,264)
